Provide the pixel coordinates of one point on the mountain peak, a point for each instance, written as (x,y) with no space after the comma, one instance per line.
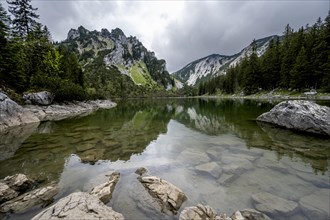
(213,65)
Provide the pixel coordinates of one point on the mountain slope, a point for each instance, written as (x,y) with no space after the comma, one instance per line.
(118,53)
(215,64)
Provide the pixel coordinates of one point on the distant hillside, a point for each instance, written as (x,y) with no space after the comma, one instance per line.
(215,64)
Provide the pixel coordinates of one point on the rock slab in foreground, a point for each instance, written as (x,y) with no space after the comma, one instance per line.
(200,212)
(79,205)
(300,115)
(167,195)
(105,190)
(39,98)
(24,202)
(12,114)
(12,186)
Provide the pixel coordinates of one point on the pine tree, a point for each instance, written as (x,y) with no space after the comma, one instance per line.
(299,73)
(4,50)
(24,17)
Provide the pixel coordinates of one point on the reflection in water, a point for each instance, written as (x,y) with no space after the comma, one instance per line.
(210,148)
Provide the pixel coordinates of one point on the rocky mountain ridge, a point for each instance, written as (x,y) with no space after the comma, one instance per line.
(215,64)
(117,51)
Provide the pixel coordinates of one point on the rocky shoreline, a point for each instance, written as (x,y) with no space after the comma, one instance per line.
(18,194)
(12,114)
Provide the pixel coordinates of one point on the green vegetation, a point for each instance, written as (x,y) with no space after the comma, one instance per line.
(30,62)
(298,62)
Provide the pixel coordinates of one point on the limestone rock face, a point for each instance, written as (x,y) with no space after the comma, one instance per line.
(39,98)
(12,114)
(300,115)
(26,201)
(105,190)
(167,195)
(273,205)
(79,205)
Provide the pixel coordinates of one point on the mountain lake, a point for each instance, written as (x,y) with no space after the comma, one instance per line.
(212,149)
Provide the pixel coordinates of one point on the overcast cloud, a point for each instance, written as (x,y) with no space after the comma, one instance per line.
(182,31)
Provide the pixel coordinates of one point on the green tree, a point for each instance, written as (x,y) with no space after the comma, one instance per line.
(299,73)
(24,17)
(4,50)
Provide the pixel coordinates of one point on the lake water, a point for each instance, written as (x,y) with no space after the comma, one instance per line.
(177,140)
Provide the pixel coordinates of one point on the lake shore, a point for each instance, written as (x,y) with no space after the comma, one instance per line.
(272,96)
(13,114)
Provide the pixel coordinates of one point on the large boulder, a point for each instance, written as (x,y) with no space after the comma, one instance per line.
(42,196)
(300,115)
(166,194)
(105,190)
(39,98)
(79,205)
(12,114)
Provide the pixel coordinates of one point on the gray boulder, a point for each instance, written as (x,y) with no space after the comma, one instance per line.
(7,193)
(105,190)
(42,196)
(79,205)
(300,115)
(166,194)
(12,114)
(39,98)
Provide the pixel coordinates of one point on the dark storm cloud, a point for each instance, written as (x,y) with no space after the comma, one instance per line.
(185,31)
(226,27)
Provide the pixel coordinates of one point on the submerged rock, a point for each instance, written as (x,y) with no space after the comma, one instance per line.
(105,190)
(316,205)
(207,213)
(200,212)
(26,201)
(211,168)
(299,115)
(166,194)
(273,205)
(79,205)
(39,98)
(12,114)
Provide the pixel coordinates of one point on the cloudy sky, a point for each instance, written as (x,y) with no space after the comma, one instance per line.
(183,31)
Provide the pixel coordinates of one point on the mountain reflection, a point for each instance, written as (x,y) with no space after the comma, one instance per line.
(127,130)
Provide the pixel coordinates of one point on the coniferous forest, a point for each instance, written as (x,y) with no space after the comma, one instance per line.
(299,60)
(28,59)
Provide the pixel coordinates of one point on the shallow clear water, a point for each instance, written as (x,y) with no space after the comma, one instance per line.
(176,139)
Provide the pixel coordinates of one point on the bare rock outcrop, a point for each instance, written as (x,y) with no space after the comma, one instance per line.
(104,191)
(299,115)
(13,186)
(42,196)
(168,196)
(39,98)
(12,114)
(79,205)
